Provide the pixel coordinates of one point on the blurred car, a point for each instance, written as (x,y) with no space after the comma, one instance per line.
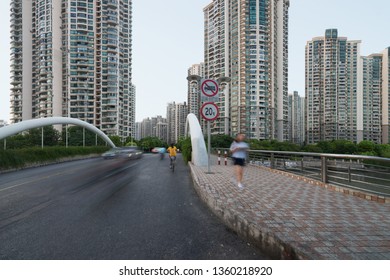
(131,152)
(112,153)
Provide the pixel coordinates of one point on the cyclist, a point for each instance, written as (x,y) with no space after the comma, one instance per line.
(172,153)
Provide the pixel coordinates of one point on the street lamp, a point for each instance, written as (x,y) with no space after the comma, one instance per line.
(223,80)
(194,94)
(194,78)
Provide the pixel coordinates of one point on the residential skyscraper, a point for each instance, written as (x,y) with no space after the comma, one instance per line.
(176,120)
(162,130)
(332,85)
(369,108)
(138,129)
(73,58)
(296,118)
(247,41)
(146,128)
(386,96)
(153,127)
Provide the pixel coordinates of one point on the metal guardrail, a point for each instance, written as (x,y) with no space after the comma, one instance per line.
(365,173)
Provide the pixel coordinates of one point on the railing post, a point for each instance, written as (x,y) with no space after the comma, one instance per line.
(272,160)
(324,169)
(302,165)
(225,157)
(219,157)
(349,174)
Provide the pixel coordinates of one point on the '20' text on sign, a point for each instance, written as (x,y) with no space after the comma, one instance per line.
(209,111)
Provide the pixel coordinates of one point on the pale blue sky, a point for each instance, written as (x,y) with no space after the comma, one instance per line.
(168,38)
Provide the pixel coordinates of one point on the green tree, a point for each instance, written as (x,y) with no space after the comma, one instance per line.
(343,147)
(130,141)
(221,141)
(18,141)
(312,148)
(75,137)
(51,136)
(285,146)
(116,140)
(325,146)
(149,143)
(256,144)
(367,148)
(383,150)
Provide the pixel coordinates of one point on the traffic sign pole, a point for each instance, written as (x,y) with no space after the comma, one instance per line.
(209,147)
(209,111)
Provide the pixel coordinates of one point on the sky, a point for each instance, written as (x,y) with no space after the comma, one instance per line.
(168,39)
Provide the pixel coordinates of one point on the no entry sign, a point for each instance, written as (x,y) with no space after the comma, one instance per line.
(209,111)
(209,88)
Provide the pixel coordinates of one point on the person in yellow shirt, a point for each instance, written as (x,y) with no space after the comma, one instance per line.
(172,150)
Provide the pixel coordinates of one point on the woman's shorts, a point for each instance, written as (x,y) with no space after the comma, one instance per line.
(239,161)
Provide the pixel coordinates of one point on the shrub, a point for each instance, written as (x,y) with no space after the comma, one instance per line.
(186,148)
(22,157)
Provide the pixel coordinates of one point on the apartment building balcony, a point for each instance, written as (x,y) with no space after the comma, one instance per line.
(113,4)
(16,22)
(16,86)
(112,20)
(82,63)
(15,5)
(112,43)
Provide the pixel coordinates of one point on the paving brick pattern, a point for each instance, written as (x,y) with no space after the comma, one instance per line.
(290,218)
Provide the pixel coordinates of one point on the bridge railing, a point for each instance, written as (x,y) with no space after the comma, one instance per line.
(366,173)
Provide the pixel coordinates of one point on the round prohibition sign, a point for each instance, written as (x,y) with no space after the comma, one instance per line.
(209,111)
(209,88)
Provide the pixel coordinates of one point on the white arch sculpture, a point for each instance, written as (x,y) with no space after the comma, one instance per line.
(199,152)
(35,123)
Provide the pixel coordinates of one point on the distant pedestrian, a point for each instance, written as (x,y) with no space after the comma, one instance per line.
(239,150)
(162,152)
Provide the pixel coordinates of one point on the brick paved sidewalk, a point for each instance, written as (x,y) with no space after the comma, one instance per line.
(292,219)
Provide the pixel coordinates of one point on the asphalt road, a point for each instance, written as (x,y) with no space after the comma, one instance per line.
(110,209)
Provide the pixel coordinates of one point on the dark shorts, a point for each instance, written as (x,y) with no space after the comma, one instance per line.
(239,161)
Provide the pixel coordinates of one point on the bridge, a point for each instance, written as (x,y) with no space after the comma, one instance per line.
(140,210)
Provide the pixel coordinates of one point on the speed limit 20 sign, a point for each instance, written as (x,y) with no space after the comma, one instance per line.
(209,111)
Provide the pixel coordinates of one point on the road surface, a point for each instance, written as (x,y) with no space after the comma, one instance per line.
(110,209)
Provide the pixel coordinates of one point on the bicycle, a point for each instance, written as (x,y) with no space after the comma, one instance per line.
(173,163)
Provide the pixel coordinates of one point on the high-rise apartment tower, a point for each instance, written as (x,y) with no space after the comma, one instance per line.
(247,41)
(386,96)
(176,121)
(332,86)
(296,118)
(73,58)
